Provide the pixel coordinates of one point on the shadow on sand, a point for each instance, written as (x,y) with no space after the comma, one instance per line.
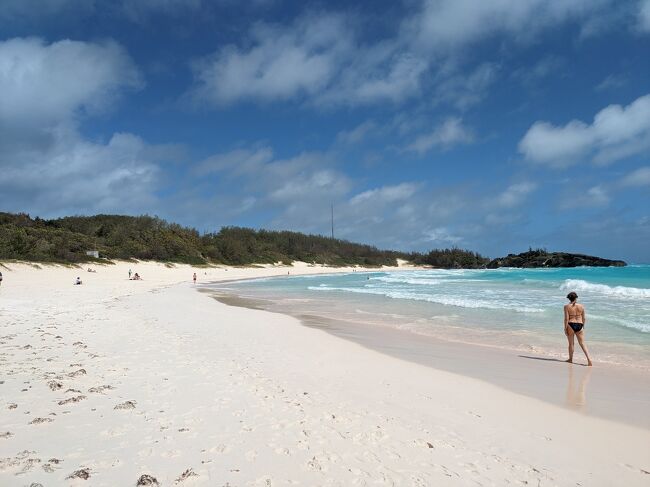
(546,359)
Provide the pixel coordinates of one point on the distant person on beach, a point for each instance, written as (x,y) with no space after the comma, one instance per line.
(129,274)
(77,282)
(136,277)
(0,277)
(194,278)
(574,325)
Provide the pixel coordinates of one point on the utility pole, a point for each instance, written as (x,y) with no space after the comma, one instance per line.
(332,221)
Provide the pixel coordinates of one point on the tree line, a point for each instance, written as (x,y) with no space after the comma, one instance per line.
(66,240)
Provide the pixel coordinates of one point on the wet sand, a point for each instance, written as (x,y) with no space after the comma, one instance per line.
(617,393)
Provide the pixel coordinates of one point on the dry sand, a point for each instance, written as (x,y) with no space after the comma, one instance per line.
(118,382)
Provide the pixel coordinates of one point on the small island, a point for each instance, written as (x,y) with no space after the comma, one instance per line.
(543,258)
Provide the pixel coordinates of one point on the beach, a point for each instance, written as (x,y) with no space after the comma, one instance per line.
(120,382)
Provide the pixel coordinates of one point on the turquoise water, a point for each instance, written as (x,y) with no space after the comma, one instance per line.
(513,308)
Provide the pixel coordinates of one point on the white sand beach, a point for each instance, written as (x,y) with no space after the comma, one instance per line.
(118,382)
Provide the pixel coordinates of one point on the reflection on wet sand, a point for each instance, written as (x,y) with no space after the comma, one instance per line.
(576,392)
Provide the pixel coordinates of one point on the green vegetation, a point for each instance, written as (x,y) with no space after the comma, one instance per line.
(66,240)
(450,259)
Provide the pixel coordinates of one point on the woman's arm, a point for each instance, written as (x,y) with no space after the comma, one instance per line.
(566,320)
(584,316)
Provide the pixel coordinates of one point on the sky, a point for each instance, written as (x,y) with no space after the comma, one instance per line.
(494,126)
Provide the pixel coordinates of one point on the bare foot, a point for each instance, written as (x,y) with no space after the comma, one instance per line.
(589,363)
(569,360)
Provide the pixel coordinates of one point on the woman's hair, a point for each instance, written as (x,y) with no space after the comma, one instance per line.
(572,296)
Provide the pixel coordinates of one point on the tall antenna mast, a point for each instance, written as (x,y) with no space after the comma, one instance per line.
(332,221)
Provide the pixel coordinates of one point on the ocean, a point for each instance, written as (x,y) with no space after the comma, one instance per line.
(518,309)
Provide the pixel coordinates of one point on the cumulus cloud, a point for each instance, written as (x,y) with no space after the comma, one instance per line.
(451,132)
(281,63)
(324,59)
(617,132)
(73,174)
(44,83)
(318,57)
(445,24)
(45,164)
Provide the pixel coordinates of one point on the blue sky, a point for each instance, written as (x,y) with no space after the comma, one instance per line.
(492,125)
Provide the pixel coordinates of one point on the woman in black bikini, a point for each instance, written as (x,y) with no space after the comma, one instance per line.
(574,325)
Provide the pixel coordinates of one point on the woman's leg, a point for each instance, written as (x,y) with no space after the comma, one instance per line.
(581,342)
(570,334)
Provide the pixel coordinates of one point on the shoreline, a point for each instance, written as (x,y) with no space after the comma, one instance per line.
(614,392)
(116,379)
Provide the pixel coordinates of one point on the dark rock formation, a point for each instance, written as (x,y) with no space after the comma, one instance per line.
(542,258)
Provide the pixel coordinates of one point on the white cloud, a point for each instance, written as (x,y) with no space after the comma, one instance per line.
(73,174)
(447,134)
(45,164)
(466,89)
(644,15)
(515,194)
(46,83)
(357,134)
(318,57)
(304,187)
(441,236)
(612,82)
(639,177)
(280,64)
(616,133)
(594,197)
(549,65)
(385,194)
(445,24)
(238,162)
(323,58)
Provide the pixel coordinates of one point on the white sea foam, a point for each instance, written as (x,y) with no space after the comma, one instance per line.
(406,280)
(445,300)
(618,291)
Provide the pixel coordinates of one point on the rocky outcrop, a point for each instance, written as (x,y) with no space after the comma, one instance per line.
(541,258)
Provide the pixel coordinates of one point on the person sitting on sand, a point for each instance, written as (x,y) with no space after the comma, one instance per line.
(78,281)
(574,325)
(136,277)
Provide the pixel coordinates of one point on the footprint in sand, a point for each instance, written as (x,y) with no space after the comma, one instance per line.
(41,420)
(83,473)
(77,373)
(220,449)
(101,389)
(186,475)
(126,405)
(71,400)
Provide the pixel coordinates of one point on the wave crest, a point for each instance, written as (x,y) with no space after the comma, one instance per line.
(618,291)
